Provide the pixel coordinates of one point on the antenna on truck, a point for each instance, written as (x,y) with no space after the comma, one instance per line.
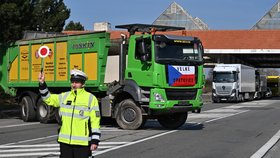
(146,28)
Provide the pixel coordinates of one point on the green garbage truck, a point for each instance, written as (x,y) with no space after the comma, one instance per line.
(153,75)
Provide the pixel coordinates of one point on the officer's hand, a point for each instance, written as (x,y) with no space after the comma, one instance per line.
(41,77)
(93,147)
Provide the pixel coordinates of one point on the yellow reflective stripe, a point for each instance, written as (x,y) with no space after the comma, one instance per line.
(76,107)
(47,96)
(65,96)
(60,101)
(95,108)
(90,100)
(66,106)
(80,138)
(74,115)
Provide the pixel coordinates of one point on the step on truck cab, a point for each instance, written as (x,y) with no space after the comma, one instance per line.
(159,76)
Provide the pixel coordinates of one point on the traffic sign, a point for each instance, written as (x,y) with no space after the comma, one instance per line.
(44,51)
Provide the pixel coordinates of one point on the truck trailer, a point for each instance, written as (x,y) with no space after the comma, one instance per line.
(233,82)
(261,85)
(154,76)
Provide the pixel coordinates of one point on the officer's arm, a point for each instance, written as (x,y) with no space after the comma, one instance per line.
(95,122)
(48,98)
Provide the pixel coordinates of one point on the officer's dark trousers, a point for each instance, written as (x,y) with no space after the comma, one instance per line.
(74,151)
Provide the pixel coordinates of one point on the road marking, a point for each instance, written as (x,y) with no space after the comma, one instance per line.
(44,149)
(31,154)
(165,133)
(225,116)
(28,150)
(267,146)
(132,143)
(30,140)
(41,138)
(222,110)
(213,115)
(52,145)
(18,125)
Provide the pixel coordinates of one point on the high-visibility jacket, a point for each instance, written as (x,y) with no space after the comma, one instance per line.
(80,115)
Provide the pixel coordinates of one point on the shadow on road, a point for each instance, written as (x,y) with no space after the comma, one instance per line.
(273,98)
(154,125)
(8,110)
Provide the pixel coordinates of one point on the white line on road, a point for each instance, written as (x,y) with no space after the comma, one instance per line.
(265,148)
(30,140)
(25,124)
(43,149)
(135,142)
(159,135)
(30,154)
(53,145)
(215,119)
(29,150)
(120,145)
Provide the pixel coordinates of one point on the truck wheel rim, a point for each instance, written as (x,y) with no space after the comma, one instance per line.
(23,109)
(43,111)
(129,114)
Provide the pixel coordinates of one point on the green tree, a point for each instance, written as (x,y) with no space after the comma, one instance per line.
(17,16)
(74,26)
(50,15)
(14,17)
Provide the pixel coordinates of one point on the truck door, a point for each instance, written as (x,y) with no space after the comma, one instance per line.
(139,65)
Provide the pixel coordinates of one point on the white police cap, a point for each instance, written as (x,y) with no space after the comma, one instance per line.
(78,75)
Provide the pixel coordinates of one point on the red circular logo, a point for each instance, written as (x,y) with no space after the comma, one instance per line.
(44,51)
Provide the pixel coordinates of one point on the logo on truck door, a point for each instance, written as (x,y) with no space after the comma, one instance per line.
(181,75)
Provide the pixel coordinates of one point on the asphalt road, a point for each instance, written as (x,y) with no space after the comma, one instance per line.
(221,130)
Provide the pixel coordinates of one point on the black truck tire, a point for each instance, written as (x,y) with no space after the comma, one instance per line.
(173,121)
(45,113)
(28,113)
(129,115)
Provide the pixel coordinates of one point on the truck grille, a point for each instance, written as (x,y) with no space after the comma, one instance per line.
(178,94)
(224,90)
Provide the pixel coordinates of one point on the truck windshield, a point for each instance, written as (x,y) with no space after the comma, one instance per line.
(178,53)
(224,77)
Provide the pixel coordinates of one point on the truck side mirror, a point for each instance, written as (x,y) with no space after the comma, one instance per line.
(140,45)
(142,48)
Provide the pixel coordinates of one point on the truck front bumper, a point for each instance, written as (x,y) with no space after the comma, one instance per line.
(159,102)
(224,98)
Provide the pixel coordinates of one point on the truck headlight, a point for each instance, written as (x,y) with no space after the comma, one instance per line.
(158,97)
(233,93)
(214,92)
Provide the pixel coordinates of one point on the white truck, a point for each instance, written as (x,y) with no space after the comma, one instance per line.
(233,82)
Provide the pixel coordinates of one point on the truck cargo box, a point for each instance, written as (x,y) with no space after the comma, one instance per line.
(87,52)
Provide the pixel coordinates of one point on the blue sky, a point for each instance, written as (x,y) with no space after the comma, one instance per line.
(218,14)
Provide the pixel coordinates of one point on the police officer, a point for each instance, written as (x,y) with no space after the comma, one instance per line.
(80,130)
